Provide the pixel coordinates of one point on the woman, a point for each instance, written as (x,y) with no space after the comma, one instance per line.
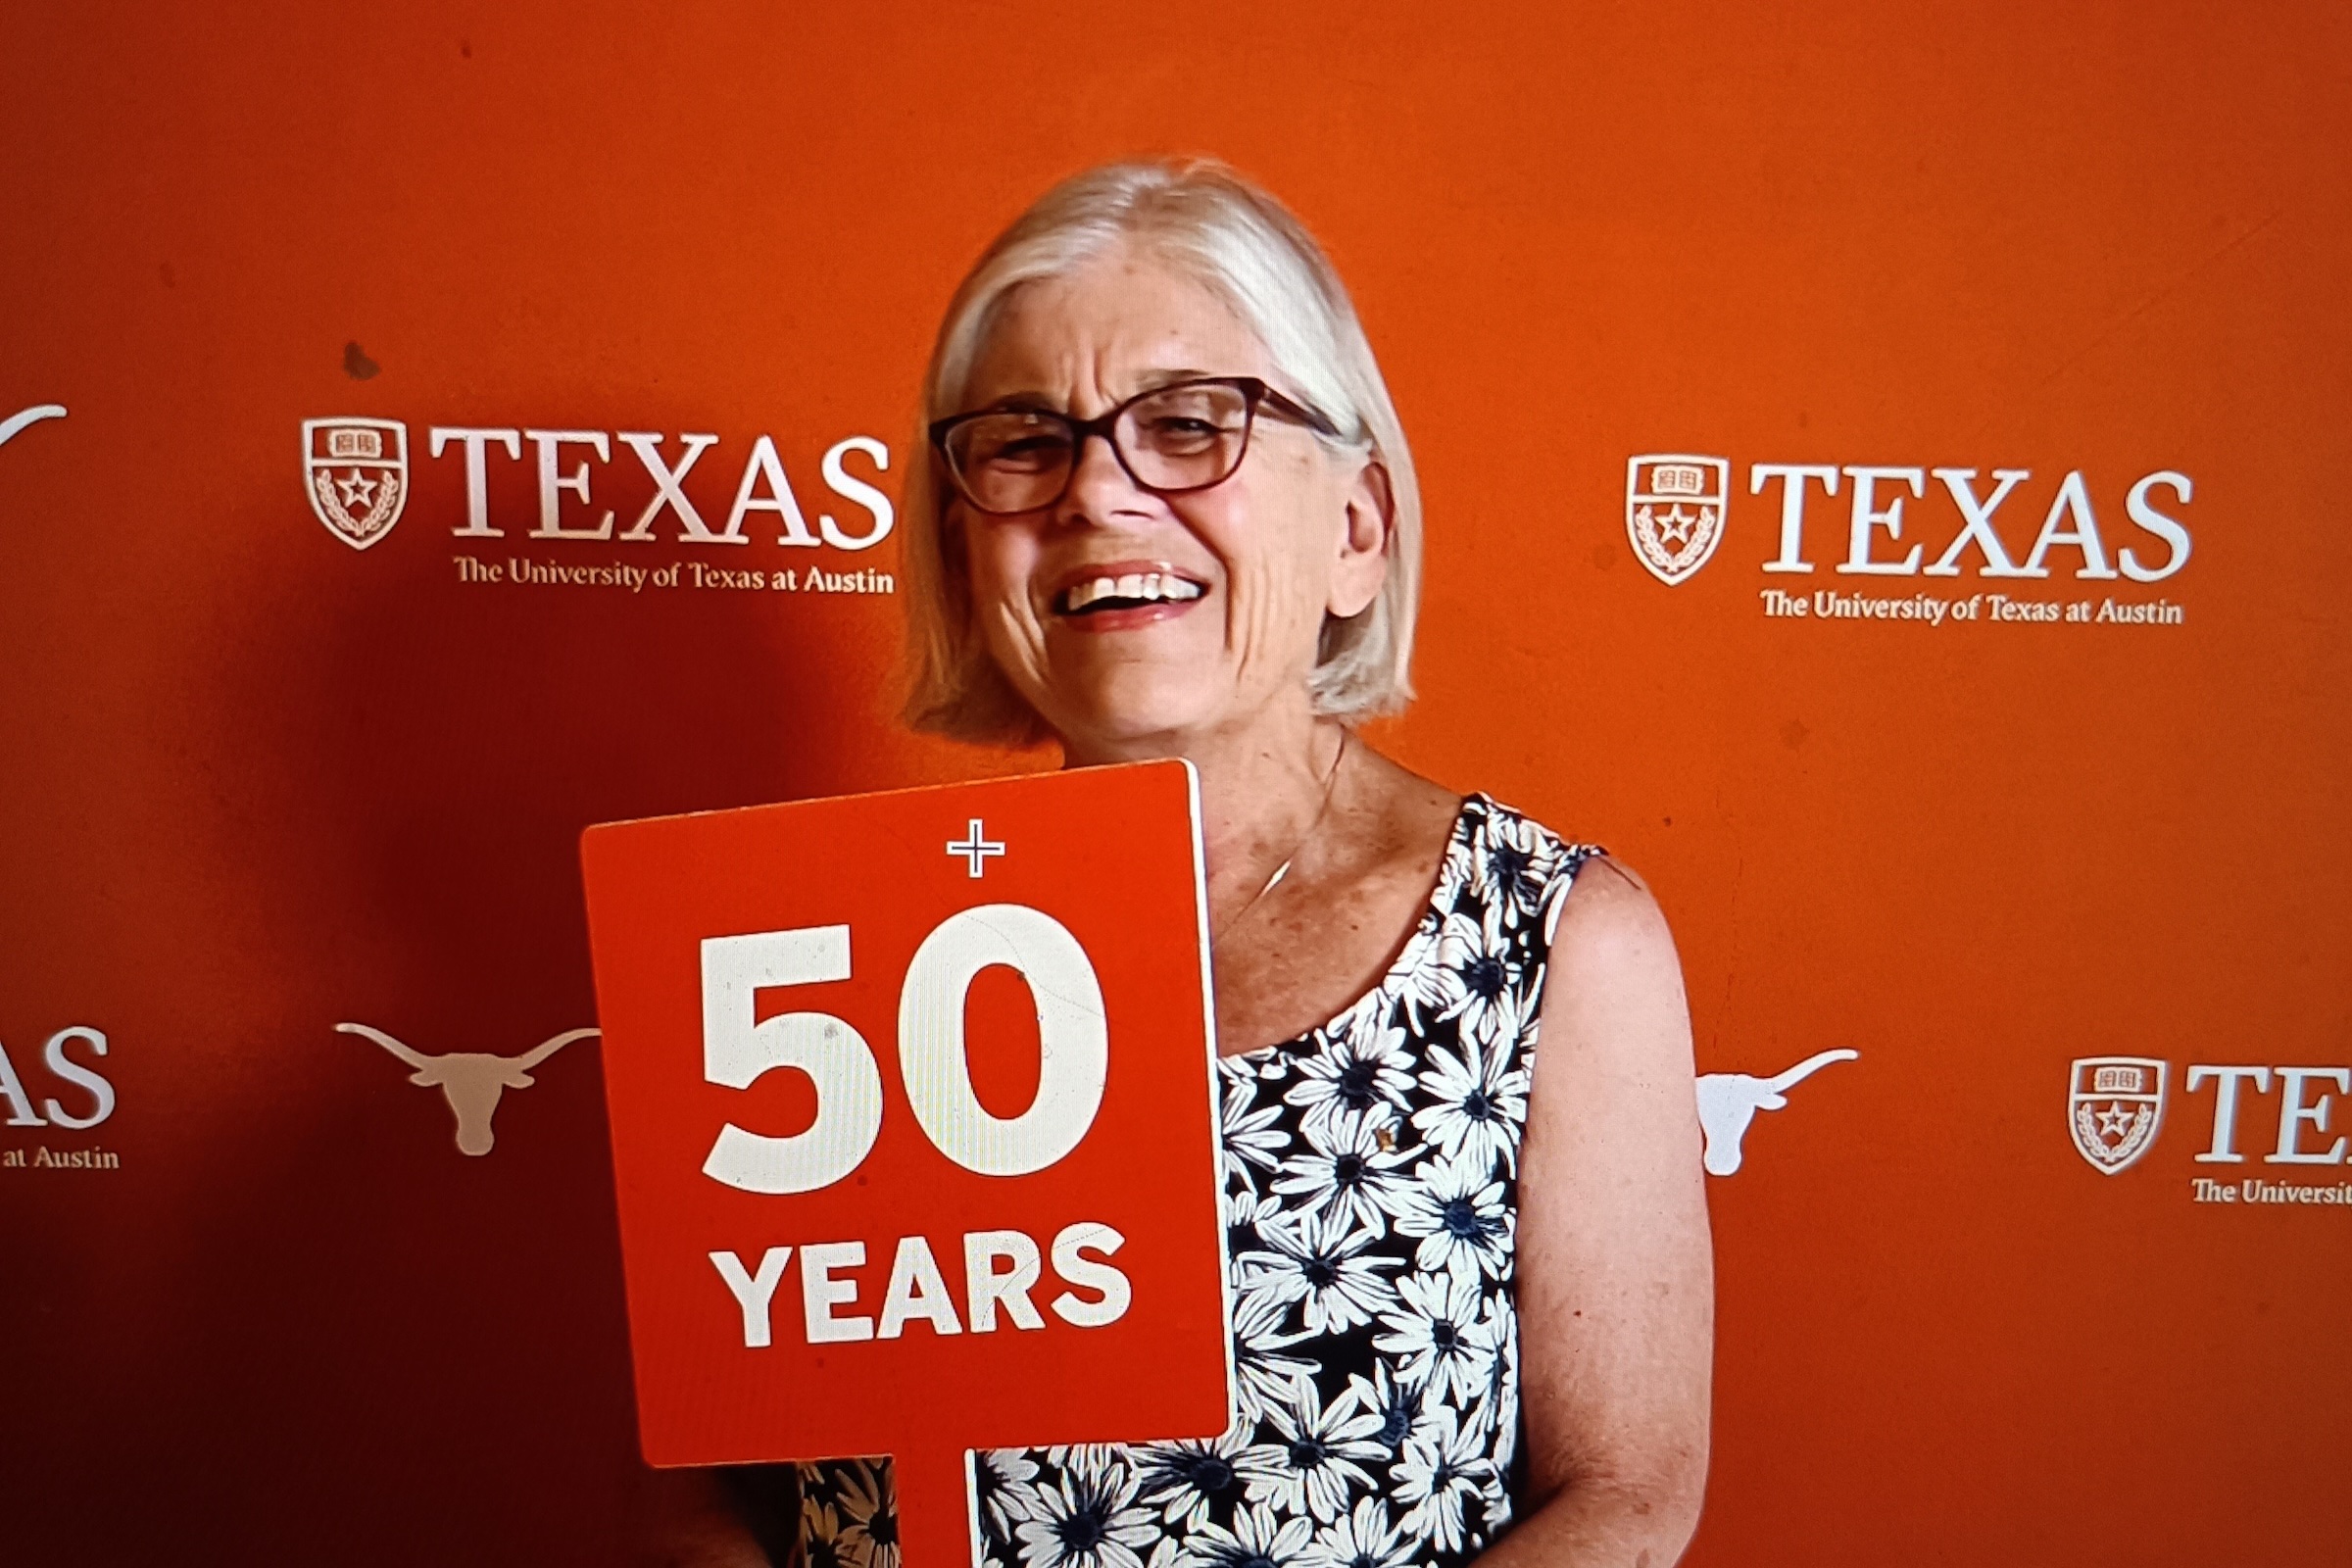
(1169,511)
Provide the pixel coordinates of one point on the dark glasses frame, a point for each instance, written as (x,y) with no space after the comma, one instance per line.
(1256,395)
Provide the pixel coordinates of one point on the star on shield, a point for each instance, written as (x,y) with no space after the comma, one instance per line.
(358,489)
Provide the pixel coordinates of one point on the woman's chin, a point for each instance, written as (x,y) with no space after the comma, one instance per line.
(1114,717)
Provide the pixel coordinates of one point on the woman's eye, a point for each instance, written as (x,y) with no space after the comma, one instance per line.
(1027,451)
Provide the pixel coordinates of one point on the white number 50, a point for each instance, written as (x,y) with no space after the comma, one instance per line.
(1073,1048)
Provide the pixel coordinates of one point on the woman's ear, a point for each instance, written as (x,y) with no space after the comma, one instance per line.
(1363,560)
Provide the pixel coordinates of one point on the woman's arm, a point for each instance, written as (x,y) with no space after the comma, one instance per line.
(1616,1272)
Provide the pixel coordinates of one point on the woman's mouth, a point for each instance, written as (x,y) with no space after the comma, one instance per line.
(1122,595)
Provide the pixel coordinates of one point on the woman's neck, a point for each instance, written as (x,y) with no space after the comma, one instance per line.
(1263,786)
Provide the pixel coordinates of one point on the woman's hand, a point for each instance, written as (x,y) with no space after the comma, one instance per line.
(1616,1272)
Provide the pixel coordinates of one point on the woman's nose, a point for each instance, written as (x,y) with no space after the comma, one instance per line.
(1101,487)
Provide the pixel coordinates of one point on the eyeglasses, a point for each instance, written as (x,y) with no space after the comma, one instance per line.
(1171,440)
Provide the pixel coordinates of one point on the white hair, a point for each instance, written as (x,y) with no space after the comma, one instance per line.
(1244,246)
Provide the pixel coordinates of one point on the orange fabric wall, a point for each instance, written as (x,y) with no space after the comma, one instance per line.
(259,782)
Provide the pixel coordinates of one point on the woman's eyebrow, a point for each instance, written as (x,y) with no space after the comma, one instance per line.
(1034,401)
(1154,379)
(1021,402)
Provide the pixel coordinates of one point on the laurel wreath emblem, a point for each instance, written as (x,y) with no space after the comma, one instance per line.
(2125,1149)
(1653,546)
(378,517)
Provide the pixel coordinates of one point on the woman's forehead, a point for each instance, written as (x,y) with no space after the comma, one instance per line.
(1108,328)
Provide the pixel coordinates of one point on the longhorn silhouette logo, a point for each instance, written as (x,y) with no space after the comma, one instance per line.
(24,417)
(471,1080)
(1729,1101)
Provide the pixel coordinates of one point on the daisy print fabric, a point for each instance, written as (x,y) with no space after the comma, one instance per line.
(1371,1194)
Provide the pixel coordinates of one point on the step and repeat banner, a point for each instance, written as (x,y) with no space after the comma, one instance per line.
(1885,479)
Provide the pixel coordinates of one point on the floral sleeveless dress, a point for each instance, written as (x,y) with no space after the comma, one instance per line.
(1371,1194)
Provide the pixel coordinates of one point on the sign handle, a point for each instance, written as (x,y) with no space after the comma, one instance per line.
(934,1487)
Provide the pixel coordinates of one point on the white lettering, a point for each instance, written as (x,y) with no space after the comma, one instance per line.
(820,1291)
(2225,1107)
(11,1089)
(736,1050)
(2168,529)
(763,463)
(1073,1039)
(754,1292)
(985,1287)
(64,1066)
(2292,1115)
(1977,516)
(1793,477)
(851,488)
(668,483)
(2084,535)
(1075,1266)
(1866,520)
(549,442)
(478,483)
(917,1290)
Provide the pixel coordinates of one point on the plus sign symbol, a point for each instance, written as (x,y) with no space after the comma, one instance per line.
(974,847)
(915,1152)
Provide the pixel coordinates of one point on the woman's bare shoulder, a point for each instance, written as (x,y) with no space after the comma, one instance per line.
(1616,986)
(1609,904)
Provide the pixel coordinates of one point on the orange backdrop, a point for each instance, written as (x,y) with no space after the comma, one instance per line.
(258,782)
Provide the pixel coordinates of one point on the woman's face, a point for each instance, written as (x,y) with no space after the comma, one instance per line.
(1247,568)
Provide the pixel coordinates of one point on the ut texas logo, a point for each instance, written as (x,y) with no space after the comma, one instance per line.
(1729,1101)
(1674,511)
(472,1081)
(357,473)
(22,418)
(2114,1106)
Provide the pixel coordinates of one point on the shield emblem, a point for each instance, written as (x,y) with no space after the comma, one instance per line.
(357,475)
(1674,511)
(2113,1107)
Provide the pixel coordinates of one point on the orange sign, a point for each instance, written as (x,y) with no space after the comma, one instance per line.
(914,1126)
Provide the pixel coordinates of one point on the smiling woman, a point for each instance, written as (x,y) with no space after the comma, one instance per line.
(1182,276)
(1169,511)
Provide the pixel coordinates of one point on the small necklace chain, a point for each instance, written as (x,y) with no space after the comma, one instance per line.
(1329,786)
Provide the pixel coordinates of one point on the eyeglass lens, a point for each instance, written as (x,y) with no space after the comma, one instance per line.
(1184,438)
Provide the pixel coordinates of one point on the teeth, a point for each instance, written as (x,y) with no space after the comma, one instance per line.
(1142,587)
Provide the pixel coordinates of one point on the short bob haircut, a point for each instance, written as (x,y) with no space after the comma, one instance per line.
(1246,248)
